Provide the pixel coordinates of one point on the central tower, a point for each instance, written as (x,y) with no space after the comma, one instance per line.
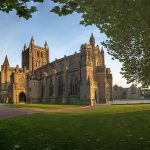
(34,56)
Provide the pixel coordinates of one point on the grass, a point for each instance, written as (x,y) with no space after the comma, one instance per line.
(44,106)
(109,128)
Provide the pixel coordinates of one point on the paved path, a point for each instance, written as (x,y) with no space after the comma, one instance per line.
(6,112)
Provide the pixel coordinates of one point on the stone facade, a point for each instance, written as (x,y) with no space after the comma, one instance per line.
(34,56)
(132,92)
(78,78)
(119,92)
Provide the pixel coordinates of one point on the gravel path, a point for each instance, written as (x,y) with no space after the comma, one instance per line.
(6,112)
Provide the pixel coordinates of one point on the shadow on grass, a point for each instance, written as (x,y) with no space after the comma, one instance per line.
(89,130)
(44,106)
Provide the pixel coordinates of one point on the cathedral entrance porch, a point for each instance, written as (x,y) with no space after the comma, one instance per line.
(22,97)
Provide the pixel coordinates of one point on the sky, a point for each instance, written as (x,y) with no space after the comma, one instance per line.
(64,36)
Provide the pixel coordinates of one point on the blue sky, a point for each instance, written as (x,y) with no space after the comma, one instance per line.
(64,36)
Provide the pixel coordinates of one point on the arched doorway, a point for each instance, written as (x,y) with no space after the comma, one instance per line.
(22,97)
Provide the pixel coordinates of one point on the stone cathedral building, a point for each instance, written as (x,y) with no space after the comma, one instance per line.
(78,78)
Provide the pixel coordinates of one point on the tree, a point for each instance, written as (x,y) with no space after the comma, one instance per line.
(127,26)
(125,22)
(21,6)
(145,93)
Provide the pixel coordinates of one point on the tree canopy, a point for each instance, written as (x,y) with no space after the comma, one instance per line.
(126,23)
(22,7)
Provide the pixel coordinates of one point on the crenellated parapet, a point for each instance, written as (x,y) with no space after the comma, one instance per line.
(35,56)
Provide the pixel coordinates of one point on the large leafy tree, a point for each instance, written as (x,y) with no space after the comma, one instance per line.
(125,22)
(22,7)
(127,26)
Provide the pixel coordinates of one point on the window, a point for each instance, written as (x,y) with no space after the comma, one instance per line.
(39,64)
(51,90)
(72,65)
(60,86)
(41,55)
(73,85)
(26,57)
(51,86)
(38,54)
(61,67)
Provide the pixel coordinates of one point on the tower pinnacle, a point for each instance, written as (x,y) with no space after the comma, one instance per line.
(46,45)
(24,47)
(6,62)
(32,41)
(92,40)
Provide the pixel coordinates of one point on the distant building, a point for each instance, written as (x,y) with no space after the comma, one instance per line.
(132,92)
(78,78)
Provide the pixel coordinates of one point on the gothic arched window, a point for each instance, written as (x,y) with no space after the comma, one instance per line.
(72,65)
(51,86)
(38,54)
(41,54)
(61,67)
(39,64)
(60,86)
(73,85)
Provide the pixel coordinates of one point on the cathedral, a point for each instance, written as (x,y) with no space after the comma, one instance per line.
(81,78)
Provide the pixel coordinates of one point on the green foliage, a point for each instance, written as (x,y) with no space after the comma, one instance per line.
(108,128)
(145,92)
(125,22)
(127,26)
(21,7)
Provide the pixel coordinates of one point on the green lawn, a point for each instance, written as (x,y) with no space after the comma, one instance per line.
(44,106)
(109,128)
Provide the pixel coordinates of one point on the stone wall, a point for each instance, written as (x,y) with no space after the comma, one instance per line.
(78,78)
